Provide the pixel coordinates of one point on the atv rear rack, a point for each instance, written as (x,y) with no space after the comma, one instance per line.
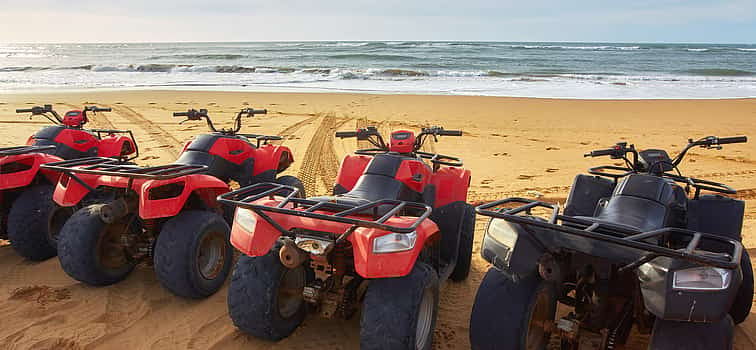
(381,210)
(112,167)
(615,234)
(16,150)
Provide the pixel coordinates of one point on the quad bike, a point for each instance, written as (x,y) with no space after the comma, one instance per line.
(636,246)
(29,218)
(164,215)
(394,229)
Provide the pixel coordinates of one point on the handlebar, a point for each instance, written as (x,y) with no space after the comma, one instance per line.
(43,111)
(736,139)
(96,109)
(194,114)
(450,132)
(345,134)
(600,153)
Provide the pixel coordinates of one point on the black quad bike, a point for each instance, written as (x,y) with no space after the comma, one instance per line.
(165,215)
(636,245)
(396,229)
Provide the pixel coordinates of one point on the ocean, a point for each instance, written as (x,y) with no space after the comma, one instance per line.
(558,70)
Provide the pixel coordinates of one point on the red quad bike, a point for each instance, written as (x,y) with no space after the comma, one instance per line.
(164,215)
(638,246)
(28,216)
(395,228)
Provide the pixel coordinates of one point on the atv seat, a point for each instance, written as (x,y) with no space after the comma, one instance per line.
(642,203)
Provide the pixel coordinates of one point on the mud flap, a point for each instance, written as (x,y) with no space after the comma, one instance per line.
(673,335)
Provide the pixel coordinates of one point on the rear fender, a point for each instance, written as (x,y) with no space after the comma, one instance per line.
(113,146)
(451,185)
(351,169)
(263,236)
(272,157)
(166,198)
(69,192)
(28,164)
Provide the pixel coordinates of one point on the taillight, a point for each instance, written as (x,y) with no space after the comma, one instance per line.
(166,191)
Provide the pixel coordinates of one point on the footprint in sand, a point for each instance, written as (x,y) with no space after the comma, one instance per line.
(552,148)
(40,294)
(503,154)
(552,170)
(585,143)
(525,177)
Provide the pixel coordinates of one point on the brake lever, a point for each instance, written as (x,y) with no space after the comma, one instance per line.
(184,121)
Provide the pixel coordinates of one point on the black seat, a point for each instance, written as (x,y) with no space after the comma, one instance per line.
(376,183)
(643,203)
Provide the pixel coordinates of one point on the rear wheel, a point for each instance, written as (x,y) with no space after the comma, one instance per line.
(400,313)
(34,222)
(292,181)
(193,254)
(265,298)
(510,315)
(673,335)
(741,307)
(91,251)
(467,234)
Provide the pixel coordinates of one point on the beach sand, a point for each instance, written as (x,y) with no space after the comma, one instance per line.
(514,146)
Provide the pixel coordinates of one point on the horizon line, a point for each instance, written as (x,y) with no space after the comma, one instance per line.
(371,41)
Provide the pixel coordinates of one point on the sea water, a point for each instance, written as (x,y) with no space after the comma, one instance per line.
(559,70)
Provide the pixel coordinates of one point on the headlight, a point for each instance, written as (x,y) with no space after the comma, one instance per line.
(502,232)
(702,278)
(245,219)
(394,242)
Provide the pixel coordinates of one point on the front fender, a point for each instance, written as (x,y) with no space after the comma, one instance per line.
(167,204)
(270,157)
(386,265)
(112,146)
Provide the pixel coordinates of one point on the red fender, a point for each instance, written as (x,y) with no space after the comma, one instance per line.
(79,140)
(28,164)
(270,157)
(451,185)
(207,187)
(409,171)
(69,192)
(367,264)
(351,169)
(233,150)
(112,146)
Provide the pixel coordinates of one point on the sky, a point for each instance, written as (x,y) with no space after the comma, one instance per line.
(689,21)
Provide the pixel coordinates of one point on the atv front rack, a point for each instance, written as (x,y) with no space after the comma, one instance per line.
(617,235)
(16,150)
(380,211)
(112,167)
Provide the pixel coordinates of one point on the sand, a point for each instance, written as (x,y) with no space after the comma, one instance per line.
(514,146)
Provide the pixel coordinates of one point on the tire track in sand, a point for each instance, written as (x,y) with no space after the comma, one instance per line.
(320,164)
(165,140)
(288,132)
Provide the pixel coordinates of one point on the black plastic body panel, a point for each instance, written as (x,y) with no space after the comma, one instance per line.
(585,193)
(46,137)
(716,214)
(518,261)
(667,303)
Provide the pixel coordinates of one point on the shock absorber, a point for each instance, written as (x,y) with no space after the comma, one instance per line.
(340,258)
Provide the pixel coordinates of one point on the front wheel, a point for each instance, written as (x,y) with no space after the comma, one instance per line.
(674,335)
(92,251)
(293,181)
(741,307)
(464,255)
(509,315)
(192,254)
(265,298)
(400,313)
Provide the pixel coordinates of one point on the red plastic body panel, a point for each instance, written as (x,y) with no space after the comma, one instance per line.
(111,146)
(25,177)
(402,141)
(69,192)
(408,171)
(351,169)
(233,150)
(268,157)
(79,140)
(366,263)
(451,185)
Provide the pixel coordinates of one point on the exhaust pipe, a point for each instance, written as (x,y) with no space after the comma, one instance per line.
(291,256)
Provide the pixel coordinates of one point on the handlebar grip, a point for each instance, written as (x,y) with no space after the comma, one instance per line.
(259,111)
(450,132)
(736,139)
(601,152)
(25,110)
(180,114)
(104,109)
(343,134)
